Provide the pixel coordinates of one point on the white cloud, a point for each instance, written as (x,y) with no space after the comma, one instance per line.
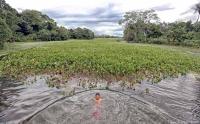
(83,7)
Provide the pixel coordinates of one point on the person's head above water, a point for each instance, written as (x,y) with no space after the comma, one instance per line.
(97,96)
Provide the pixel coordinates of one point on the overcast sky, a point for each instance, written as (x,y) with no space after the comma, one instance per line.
(102,16)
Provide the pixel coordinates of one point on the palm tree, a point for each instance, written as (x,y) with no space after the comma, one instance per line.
(197,10)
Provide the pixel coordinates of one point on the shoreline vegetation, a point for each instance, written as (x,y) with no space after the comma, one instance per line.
(144,26)
(33,25)
(140,26)
(100,58)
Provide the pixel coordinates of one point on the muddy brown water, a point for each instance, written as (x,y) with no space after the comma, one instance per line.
(170,101)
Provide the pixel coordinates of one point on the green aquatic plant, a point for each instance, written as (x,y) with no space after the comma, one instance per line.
(100,58)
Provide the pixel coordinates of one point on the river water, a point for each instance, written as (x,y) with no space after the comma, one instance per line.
(34,102)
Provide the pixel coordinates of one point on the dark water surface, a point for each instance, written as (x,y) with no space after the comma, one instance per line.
(170,101)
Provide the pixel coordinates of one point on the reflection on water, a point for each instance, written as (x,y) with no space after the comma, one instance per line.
(170,101)
(115,108)
(21,100)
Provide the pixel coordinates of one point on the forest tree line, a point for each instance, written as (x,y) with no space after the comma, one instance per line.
(34,25)
(145,27)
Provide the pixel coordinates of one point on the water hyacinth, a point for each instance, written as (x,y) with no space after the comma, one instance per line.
(102,58)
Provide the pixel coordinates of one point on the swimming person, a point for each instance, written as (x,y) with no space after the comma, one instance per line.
(97,112)
(98,98)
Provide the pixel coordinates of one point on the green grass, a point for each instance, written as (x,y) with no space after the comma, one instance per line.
(11,47)
(104,58)
(187,50)
(17,46)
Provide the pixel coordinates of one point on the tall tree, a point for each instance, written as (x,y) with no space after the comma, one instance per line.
(140,21)
(24,28)
(34,25)
(197,10)
(176,32)
(63,33)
